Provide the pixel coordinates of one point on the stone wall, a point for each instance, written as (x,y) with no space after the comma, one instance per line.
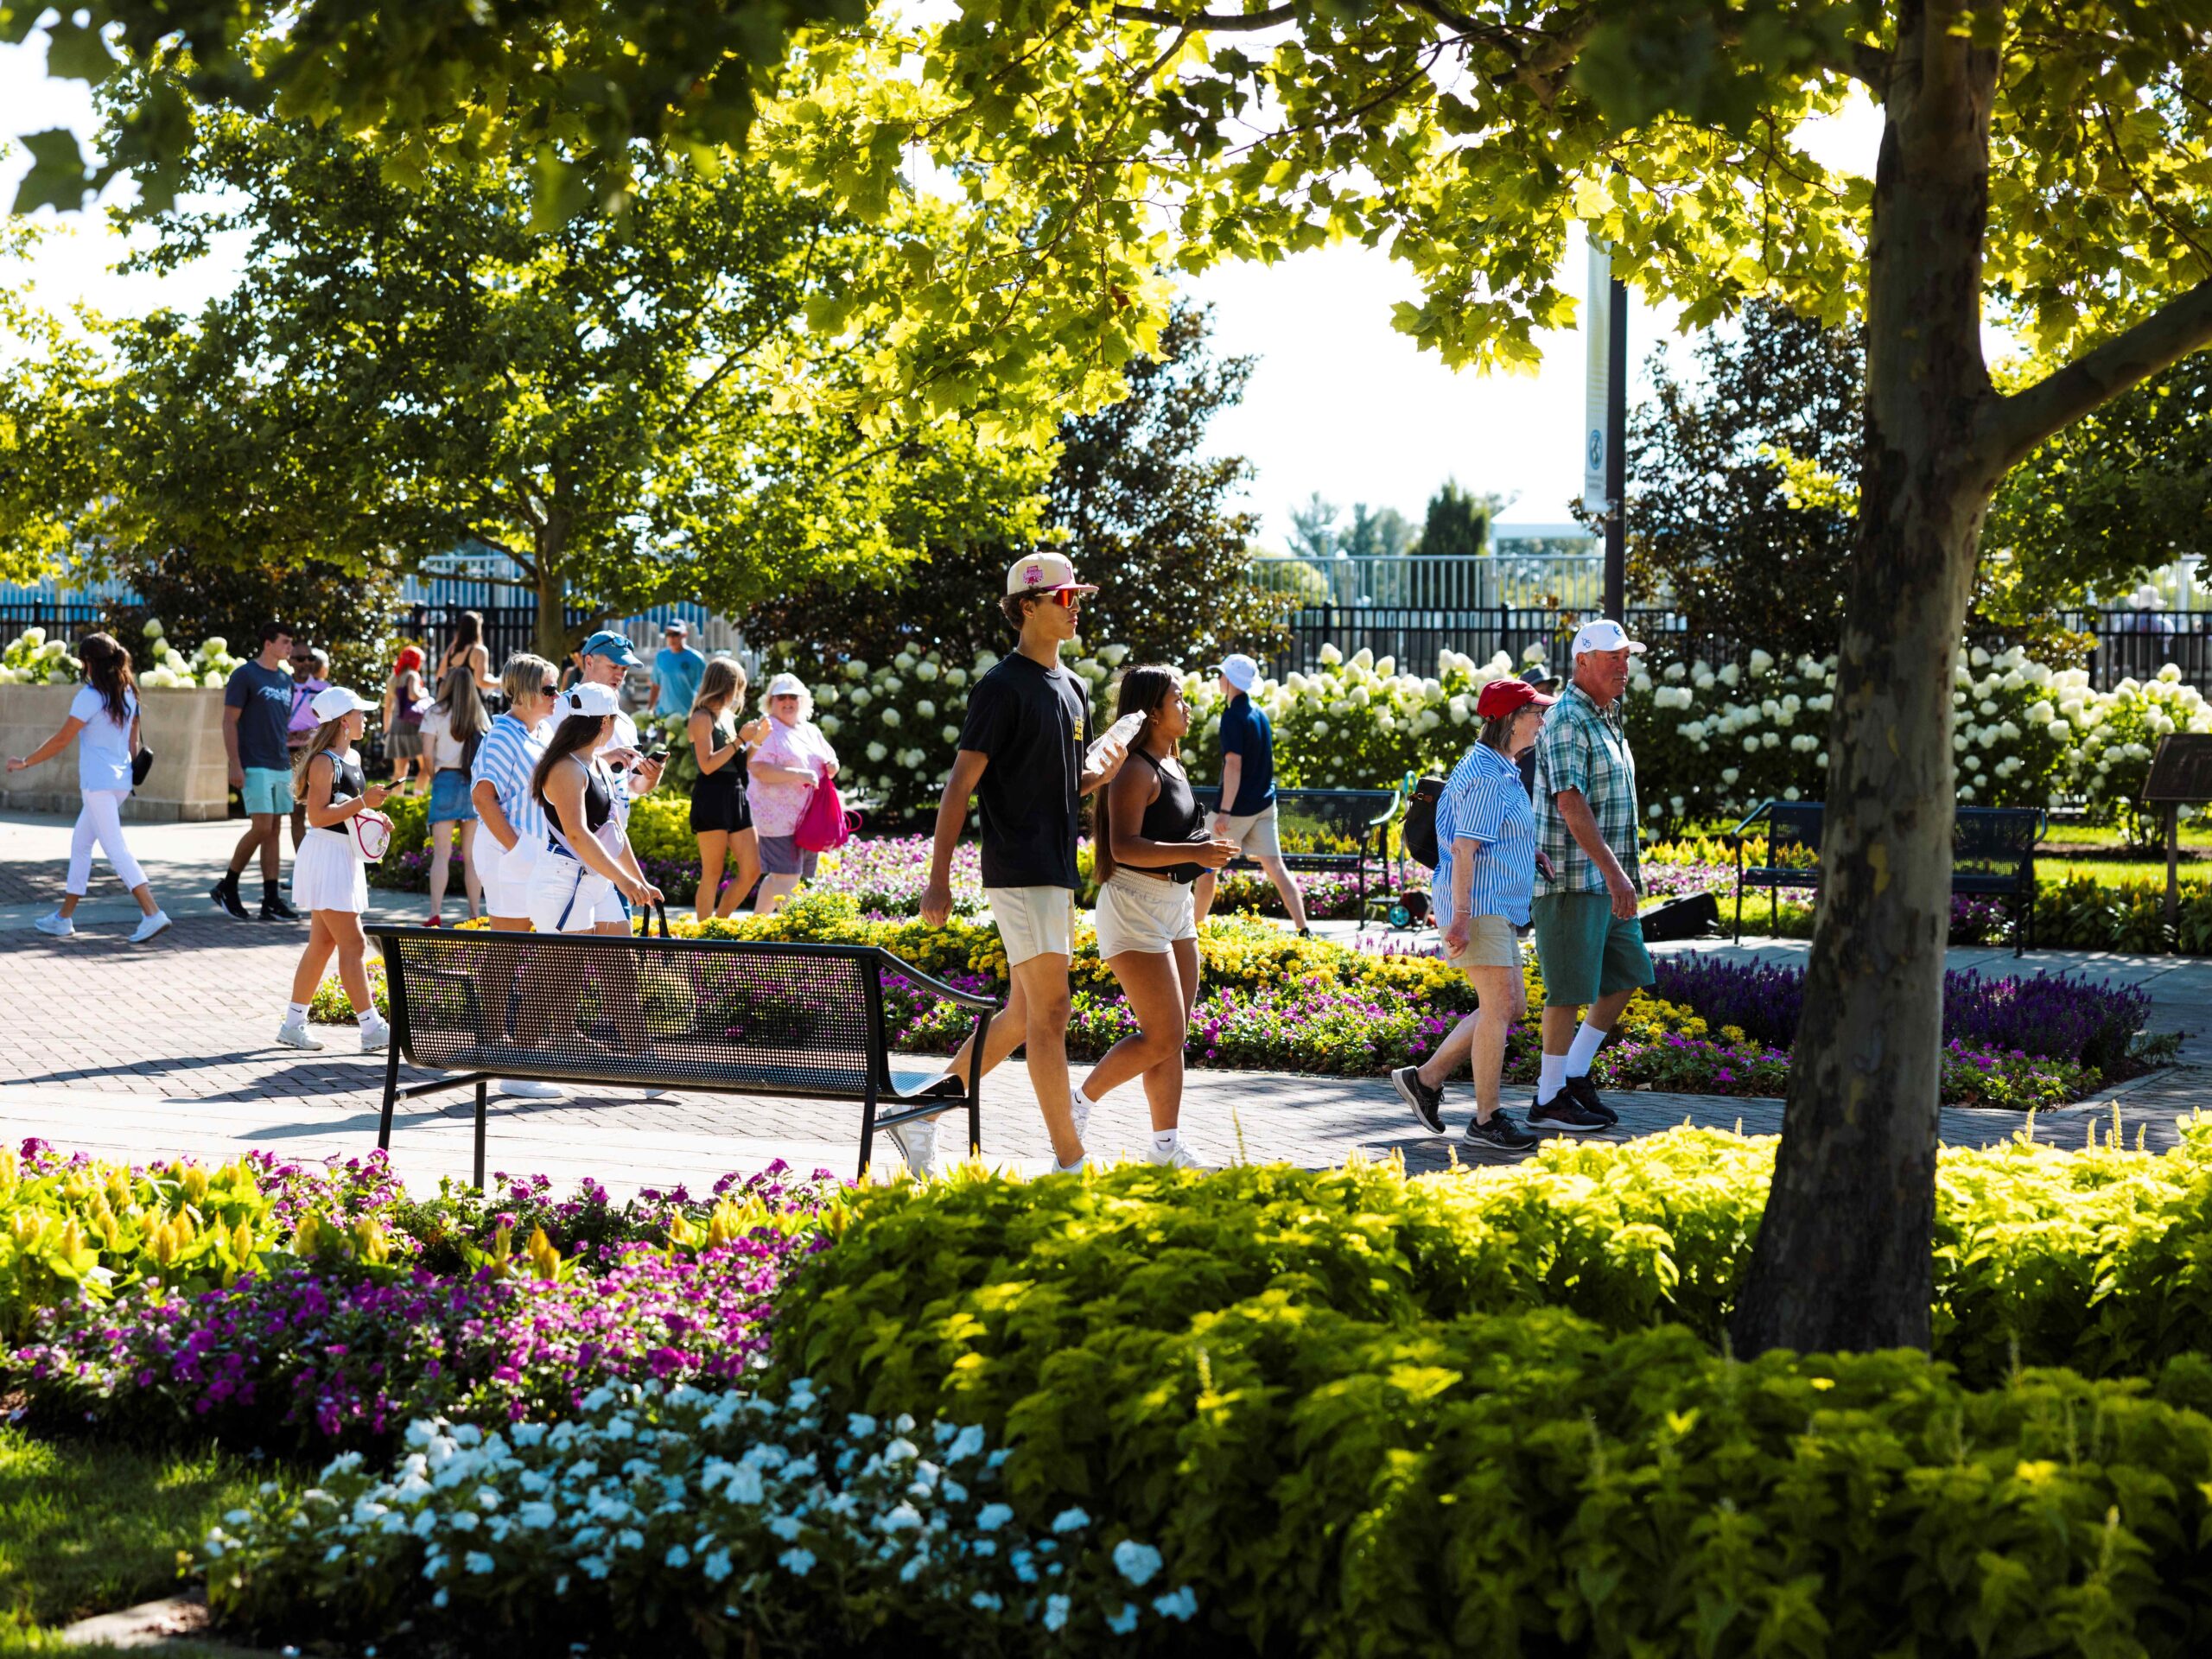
(184,729)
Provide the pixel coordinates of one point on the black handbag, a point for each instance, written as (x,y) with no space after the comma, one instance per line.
(141,764)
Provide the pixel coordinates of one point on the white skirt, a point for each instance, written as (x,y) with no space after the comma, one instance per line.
(328,874)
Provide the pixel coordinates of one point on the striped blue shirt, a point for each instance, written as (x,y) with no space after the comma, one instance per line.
(506,759)
(1485,815)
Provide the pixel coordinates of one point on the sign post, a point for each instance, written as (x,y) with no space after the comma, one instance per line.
(1605,419)
(2181,775)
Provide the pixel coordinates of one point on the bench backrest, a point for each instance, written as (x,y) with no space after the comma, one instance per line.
(1793,834)
(1995,840)
(723,1014)
(1338,822)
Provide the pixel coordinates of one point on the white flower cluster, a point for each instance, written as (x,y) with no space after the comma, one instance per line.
(31,658)
(678,1497)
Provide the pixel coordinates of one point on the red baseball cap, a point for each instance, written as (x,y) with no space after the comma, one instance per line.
(1502,697)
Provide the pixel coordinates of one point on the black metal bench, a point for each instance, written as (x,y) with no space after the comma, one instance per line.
(1334,830)
(721,1016)
(1992,854)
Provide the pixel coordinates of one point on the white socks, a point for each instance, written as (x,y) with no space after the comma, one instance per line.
(295,1013)
(1552,1079)
(1584,1050)
(1163,1142)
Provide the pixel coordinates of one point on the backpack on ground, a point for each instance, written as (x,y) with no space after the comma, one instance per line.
(1419,835)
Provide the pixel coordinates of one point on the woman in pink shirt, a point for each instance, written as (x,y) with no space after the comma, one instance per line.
(791,760)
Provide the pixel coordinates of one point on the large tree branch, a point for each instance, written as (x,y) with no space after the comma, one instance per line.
(1240,23)
(2008,428)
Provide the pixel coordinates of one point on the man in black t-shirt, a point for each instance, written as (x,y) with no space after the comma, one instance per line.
(1021,758)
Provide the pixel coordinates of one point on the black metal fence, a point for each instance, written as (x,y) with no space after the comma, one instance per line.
(2126,644)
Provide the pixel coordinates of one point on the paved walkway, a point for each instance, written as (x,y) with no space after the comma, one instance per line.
(147,1051)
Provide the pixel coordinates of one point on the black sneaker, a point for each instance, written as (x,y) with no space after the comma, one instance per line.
(1427,1103)
(1564,1114)
(1500,1133)
(226,897)
(274,909)
(1587,1091)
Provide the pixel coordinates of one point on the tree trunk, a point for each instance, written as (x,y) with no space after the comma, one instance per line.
(1843,1260)
(554,641)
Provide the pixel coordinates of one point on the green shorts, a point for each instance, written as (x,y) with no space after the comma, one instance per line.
(1585,952)
(267,789)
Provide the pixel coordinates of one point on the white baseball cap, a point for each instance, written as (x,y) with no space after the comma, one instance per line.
(1044,573)
(590,698)
(1605,634)
(335,700)
(788,685)
(1239,670)
(676,625)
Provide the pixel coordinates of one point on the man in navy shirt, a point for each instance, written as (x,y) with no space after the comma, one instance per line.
(1248,789)
(257,737)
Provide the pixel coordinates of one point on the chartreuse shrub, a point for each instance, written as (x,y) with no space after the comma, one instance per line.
(2092,1259)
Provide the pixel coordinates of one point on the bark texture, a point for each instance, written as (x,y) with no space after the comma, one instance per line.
(1843,1260)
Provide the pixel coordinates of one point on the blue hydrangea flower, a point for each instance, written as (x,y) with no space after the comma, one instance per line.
(1136,1562)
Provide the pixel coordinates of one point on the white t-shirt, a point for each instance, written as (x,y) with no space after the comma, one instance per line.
(102,748)
(446,750)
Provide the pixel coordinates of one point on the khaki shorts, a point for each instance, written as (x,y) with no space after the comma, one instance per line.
(1492,943)
(1255,836)
(1033,921)
(1141,913)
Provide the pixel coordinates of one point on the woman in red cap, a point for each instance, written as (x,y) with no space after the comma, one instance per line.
(1485,877)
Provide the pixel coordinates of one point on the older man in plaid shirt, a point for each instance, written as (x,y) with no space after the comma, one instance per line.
(1588,940)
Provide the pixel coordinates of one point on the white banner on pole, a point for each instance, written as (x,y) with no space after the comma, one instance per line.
(1596,317)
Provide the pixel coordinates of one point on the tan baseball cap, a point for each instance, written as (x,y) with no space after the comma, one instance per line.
(1044,573)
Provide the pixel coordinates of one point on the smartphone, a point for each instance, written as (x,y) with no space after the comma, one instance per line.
(656,756)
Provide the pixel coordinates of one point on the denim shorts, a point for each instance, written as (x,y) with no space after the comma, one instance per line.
(449,802)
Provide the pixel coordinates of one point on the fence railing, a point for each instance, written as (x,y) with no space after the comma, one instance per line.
(1457,584)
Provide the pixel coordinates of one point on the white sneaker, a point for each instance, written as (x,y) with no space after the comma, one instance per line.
(376,1032)
(292,1033)
(55,924)
(531,1088)
(1082,1114)
(917,1144)
(149,925)
(1177,1157)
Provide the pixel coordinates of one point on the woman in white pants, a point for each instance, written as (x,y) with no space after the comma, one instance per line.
(329,879)
(586,860)
(104,723)
(509,835)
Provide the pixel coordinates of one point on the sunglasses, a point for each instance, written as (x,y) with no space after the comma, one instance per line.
(551,689)
(1068,598)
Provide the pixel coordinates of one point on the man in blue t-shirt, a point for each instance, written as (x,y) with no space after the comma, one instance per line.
(257,730)
(1248,789)
(677,668)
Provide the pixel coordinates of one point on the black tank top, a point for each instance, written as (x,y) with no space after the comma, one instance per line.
(1173,815)
(346,779)
(599,805)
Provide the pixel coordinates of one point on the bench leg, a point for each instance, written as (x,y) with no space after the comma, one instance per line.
(976,1087)
(390,1092)
(867,1128)
(483,1102)
(1739,911)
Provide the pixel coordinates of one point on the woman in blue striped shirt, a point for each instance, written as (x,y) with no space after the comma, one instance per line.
(511,830)
(1485,876)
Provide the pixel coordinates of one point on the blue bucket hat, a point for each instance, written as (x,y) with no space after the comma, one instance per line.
(608,644)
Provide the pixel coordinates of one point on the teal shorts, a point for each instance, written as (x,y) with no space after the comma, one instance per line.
(1585,952)
(267,789)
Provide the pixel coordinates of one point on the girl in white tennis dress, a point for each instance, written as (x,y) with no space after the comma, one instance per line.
(329,879)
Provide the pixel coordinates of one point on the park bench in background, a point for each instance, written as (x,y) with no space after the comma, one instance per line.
(721,1016)
(1333,829)
(1992,855)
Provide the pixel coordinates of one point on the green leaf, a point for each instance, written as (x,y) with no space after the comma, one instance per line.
(76,51)
(58,177)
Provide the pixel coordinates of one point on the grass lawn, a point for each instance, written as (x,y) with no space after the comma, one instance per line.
(91,1526)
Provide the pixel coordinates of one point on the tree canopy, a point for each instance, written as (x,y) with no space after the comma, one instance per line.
(630,407)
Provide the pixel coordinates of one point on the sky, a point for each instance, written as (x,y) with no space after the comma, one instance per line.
(1339,403)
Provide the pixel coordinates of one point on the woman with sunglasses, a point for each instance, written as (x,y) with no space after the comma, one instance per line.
(793,759)
(511,833)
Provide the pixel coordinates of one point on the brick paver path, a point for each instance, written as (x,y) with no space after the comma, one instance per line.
(149,1050)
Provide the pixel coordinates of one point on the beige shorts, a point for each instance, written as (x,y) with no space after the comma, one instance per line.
(1139,912)
(1492,943)
(505,875)
(1032,921)
(1255,836)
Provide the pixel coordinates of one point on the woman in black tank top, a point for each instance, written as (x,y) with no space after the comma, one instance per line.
(1150,847)
(580,802)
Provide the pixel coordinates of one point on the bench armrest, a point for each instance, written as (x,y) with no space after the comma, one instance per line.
(1763,809)
(1390,812)
(937,987)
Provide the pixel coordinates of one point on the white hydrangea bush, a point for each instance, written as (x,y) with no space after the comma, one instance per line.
(726,1515)
(31,658)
